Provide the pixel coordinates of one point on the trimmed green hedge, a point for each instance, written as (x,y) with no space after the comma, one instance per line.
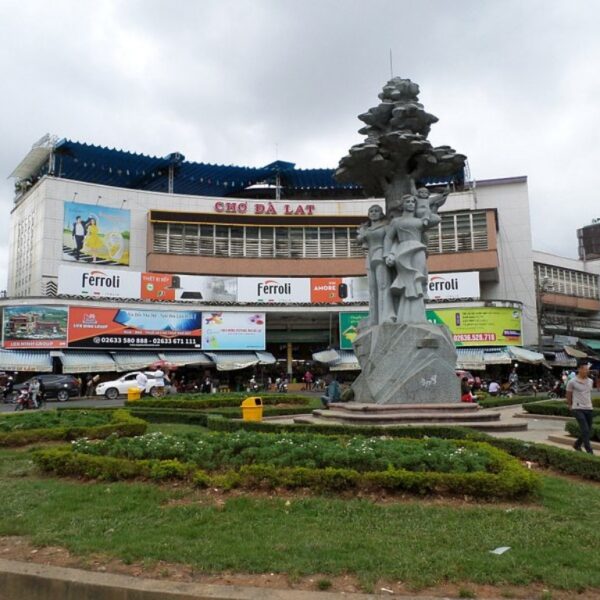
(121,423)
(201,402)
(511,480)
(572,427)
(493,401)
(557,408)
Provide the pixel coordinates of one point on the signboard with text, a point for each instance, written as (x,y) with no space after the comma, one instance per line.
(96,282)
(33,327)
(233,331)
(131,328)
(348,328)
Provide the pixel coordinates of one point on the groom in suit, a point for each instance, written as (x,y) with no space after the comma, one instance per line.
(78,234)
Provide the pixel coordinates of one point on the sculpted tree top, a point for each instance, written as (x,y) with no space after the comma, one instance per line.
(396,152)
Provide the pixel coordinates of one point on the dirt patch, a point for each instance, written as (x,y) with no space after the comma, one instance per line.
(19,548)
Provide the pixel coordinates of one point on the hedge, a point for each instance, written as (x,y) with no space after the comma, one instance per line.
(210,401)
(572,427)
(556,408)
(200,417)
(493,401)
(510,482)
(564,461)
(123,424)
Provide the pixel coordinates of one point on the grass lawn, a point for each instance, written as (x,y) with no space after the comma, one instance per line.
(423,543)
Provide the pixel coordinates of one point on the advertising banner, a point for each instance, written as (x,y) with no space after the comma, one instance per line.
(188,288)
(273,289)
(348,325)
(233,331)
(480,326)
(98,234)
(452,286)
(131,328)
(96,282)
(35,327)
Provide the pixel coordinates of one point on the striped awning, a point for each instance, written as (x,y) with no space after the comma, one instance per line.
(25,360)
(186,358)
(132,361)
(470,358)
(87,362)
(498,356)
(562,359)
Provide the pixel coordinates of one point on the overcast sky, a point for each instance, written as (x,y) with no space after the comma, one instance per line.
(515,85)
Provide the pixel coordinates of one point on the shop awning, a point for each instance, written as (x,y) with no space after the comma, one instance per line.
(232,361)
(326,356)
(593,344)
(87,362)
(266,358)
(133,361)
(347,362)
(562,359)
(496,357)
(16,360)
(470,358)
(527,356)
(569,350)
(186,358)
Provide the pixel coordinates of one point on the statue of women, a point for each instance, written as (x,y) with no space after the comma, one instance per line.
(372,234)
(405,250)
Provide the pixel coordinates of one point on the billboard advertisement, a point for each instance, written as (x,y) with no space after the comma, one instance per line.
(98,234)
(34,327)
(452,286)
(480,326)
(233,331)
(188,288)
(273,289)
(348,325)
(96,282)
(132,328)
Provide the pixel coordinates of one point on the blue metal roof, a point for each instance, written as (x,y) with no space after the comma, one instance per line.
(109,166)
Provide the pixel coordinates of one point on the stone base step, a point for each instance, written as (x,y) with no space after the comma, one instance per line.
(438,407)
(422,416)
(485,426)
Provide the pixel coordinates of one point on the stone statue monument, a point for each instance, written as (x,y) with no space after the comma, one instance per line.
(404,358)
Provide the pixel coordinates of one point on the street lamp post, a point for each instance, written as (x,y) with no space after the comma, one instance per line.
(542,286)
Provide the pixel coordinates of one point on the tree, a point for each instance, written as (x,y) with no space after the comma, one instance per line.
(396,152)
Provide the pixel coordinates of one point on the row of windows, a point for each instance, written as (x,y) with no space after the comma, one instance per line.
(460,232)
(566,281)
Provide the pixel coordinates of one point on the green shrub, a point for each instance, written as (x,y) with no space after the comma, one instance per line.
(62,427)
(493,401)
(199,402)
(556,408)
(572,427)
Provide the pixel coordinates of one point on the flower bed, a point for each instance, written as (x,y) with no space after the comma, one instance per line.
(21,429)
(253,460)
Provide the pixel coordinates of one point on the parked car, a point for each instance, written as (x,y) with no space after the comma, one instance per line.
(113,389)
(59,387)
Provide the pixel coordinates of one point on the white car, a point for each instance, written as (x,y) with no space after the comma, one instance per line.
(112,389)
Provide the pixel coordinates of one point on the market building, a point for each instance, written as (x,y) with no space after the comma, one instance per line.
(118,259)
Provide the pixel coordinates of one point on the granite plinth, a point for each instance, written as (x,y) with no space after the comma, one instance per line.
(406,363)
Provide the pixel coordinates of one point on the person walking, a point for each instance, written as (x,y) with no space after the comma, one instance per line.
(579,400)
(142,382)
(34,390)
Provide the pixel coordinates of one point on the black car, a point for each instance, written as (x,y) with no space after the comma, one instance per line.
(61,387)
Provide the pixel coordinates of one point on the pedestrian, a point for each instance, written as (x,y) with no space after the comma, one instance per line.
(34,390)
(465,391)
(8,389)
(89,386)
(42,394)
(333,392)
(308,380)
(159,382)
(142,382)
(494,388)
(206,387)
(579,400)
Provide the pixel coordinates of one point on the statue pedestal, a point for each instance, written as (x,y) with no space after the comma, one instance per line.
(408,363)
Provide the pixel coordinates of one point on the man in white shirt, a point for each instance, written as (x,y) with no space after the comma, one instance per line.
(494,388)
(159,382)
(579,400)
(141,381)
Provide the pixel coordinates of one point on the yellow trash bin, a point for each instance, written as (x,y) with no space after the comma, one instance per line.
(252,409)
(134,393)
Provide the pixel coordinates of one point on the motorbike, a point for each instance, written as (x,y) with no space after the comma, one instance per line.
(24,401)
